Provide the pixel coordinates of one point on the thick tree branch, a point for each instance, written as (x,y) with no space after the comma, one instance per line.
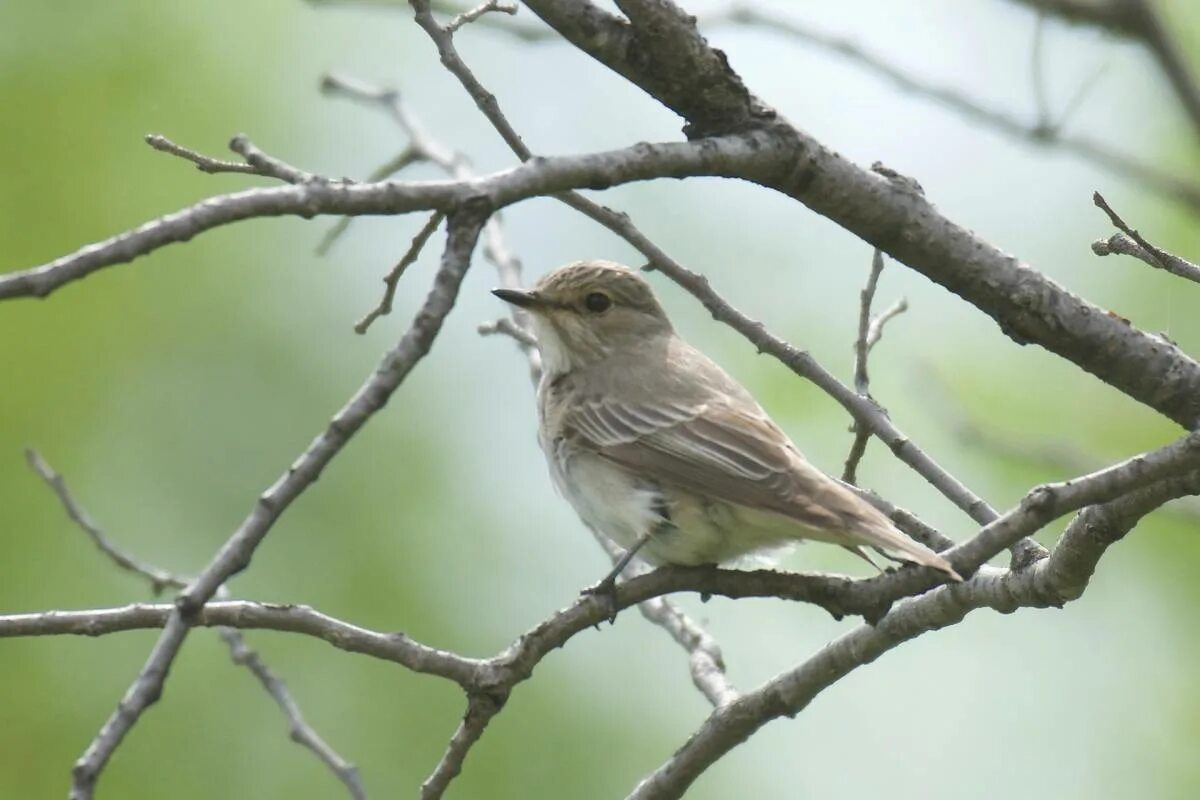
(727,156)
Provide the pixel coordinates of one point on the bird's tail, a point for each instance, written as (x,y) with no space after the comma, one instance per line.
(880,534)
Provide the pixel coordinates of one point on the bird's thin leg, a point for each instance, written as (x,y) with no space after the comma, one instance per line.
(607,587)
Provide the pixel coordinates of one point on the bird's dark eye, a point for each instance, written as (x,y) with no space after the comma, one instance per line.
(597,302)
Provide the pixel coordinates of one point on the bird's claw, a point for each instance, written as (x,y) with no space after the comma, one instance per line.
(606,590)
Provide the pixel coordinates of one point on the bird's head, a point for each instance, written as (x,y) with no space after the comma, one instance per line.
(589,310)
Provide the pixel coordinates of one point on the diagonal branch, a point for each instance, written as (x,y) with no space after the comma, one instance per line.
(300,731)
(392,279)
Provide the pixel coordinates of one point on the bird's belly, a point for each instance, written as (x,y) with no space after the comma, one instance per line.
(606,497)
(620,506)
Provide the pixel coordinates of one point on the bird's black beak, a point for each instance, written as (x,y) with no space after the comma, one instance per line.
(517,297)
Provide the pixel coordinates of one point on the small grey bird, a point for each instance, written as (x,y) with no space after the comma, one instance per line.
(661,451)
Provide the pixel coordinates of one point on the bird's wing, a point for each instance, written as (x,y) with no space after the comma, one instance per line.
(738,455)
(716,450)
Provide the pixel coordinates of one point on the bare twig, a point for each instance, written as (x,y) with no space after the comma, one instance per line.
(256,161)
(203,163)
(1131,243)
(268,165)
(393,277)
(721,156)
(875,331)
(300,731)
(159,579)
(870,331)
(469,16)
(862,381)
(866,298)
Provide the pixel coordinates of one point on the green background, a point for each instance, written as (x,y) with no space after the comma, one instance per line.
(171,391)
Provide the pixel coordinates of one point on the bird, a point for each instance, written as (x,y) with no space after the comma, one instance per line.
(661,451)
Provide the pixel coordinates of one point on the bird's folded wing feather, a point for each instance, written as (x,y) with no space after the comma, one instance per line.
(716,450)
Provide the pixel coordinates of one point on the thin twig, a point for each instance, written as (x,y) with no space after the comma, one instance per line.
(203,163)
(1140,21)
(299,730)
(1131,243)
(862,381)
(393,277)
(473,14)
(875,331)
(870,331)
(159,579)
(427,148)
(267,165)
(256,161)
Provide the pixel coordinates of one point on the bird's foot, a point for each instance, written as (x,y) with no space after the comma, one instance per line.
(606,590)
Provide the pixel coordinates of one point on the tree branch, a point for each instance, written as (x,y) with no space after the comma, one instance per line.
(725,156)
(1131,243)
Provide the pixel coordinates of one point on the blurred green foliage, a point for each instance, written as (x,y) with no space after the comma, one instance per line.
(172,390)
